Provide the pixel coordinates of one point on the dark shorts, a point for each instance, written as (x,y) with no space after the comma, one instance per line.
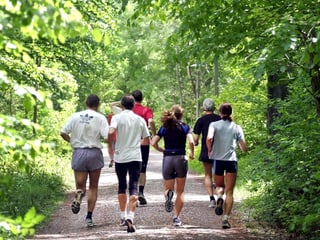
(175,166)
(122,169)
(228,166)
(145,149)
(204,158)
(87,159)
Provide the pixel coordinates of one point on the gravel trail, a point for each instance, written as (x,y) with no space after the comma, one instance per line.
(152,221)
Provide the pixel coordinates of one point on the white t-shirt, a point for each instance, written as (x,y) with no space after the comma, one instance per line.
(130,128)
(86,128)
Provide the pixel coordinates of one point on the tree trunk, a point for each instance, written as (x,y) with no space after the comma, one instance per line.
(178,76)
(315,85)
(216,76)
(275,91)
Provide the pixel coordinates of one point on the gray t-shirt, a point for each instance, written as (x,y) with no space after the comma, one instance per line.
(226,135)
(130,129)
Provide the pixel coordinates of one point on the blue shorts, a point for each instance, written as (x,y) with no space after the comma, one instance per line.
(174,166)
(87,159)
(229,166)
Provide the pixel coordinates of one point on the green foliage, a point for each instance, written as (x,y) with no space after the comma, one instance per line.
(260,38)
(20,227)
(26,84)
(54,53)
(40,190)
(288,173)
(195,165)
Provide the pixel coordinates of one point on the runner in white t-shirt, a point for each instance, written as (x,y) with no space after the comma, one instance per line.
(84,131)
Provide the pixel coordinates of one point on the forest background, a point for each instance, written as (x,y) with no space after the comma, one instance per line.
(261,56)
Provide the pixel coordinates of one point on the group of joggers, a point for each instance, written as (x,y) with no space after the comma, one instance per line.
(128,141)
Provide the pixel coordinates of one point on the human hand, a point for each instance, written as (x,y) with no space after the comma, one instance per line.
(111,163)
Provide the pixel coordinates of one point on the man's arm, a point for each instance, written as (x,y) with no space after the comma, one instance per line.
(152,126)
(65,136)
(209,139)
(196,139)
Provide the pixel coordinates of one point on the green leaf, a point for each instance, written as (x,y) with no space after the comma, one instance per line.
(28,102)
(97,36)
(106,40)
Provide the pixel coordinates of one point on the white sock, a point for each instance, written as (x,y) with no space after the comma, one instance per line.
(225,217)
(130,215)
(123,214)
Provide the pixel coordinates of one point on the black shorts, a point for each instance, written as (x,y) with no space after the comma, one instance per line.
(206,159)
(174,166)
(133,170)
(228,166)
(145,149)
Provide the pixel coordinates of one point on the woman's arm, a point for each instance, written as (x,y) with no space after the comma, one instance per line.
(154,143)
(243,145)
(191,145)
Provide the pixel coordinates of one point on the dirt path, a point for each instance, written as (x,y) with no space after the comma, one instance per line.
(152,221)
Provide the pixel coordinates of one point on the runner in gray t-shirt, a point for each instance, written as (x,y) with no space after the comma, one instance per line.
(226,135)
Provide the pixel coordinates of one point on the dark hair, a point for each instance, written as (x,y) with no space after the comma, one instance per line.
(127,101)
(137,94)
(93,101)
(226,110)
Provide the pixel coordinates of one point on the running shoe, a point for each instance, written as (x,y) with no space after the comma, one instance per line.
(225,224)
(176,222)
(169,203)
(75,207)
(142,199)
(122,222)
(212,203)
(219,207)
(130,227)
(89,222)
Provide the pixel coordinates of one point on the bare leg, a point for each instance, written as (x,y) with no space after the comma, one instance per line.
(219,180)
(230,183)
(81,180)
(168,185)
(133,200)
(93,189)
(122,198)
(180,195)
(208,177)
